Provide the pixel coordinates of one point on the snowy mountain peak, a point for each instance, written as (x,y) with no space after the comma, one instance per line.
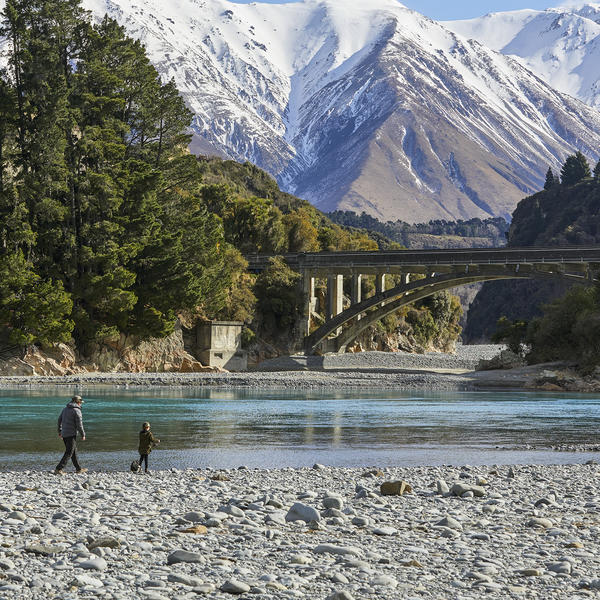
(587,10)
(372,106)
(363,105)
(561,45)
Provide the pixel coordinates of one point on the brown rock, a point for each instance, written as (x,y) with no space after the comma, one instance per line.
(395,488)
(373,473)
(43,364)
(16,367)
(411,563)
(198,529)
(130,354)
(59,360)
(194,366)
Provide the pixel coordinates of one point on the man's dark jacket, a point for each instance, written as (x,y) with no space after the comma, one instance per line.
(70,421)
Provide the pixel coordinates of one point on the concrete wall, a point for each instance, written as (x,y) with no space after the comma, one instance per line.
(219,344)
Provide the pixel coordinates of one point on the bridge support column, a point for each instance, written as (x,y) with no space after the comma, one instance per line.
(379,283)
(356,291)
(310,300)
(356,294)
(335,295)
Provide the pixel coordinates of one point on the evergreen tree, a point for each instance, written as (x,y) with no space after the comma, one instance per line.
(277,292)
(31,309)
(97,190)
(575,169)
(597,171)
(551,179)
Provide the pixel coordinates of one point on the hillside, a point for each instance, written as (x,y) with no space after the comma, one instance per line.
(560,216)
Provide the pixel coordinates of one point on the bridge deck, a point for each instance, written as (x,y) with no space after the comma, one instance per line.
(415,260)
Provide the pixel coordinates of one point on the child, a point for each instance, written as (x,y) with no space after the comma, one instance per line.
(147,442)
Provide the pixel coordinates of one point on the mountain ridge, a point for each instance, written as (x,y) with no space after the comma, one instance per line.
(355,107)
(561,45)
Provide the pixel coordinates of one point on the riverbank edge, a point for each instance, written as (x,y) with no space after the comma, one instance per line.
(551,377)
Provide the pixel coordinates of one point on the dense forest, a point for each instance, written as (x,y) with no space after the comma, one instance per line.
(565,213)
(108,225)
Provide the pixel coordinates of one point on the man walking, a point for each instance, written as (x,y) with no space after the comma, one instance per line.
(70,422)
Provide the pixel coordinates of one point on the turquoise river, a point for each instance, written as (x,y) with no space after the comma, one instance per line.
(202,427)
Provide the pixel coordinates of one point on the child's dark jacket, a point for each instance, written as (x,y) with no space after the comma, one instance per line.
(147,442)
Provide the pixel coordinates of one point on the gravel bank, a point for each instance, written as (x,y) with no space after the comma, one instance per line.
(526,532)
(465,358)
(368,369)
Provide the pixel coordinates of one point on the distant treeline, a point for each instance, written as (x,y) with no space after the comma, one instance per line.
(493,228)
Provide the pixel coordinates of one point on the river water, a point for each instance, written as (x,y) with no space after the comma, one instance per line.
(201,427)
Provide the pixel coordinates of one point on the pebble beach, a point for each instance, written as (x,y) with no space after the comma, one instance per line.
(320,533)
(316,533)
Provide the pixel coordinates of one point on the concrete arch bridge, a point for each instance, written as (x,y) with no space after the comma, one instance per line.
(423,273)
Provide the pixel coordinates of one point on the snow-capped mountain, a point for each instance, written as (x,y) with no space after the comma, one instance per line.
(560,45)
(362,105)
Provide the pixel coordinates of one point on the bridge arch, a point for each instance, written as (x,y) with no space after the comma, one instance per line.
(390,301)
(439,270)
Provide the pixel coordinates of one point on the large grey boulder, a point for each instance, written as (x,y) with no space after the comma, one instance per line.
(179,556)
(302,512)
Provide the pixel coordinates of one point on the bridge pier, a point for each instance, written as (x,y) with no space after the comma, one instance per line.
(356,291)
(335,297)
(310,301)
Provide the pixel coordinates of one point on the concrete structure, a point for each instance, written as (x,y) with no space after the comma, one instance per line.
(424,272)
(219,344)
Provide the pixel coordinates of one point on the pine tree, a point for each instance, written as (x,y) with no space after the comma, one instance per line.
(551,179)
(32,310)
(597,171)
(98,194)
(575,169)
(41,115)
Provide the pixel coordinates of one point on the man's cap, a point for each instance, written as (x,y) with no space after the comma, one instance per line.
(77,399)
(146,424)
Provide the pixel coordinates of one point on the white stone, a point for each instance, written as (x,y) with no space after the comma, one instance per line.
(85,580)
(233,586)
(385,531)
(184,579)
(339,550)
(302,512)
(94,564)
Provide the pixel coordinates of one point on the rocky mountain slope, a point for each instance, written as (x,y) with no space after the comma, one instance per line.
(560,45)
(361,106)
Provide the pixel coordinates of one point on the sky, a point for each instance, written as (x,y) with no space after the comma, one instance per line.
(446,10)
